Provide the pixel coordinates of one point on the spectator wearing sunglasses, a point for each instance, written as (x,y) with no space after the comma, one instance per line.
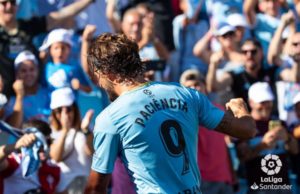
(229,55)
(253,71)
(264,23)
(72,147)
(16,35)
(224,34)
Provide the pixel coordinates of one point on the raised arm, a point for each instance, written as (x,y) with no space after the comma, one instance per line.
(54,19)
(149,36)
(237,122)
(212,82)
(5,150)
(16,118)
(291,74)
(85,123)
(87,36)
(57,148)
(249,11)
(111,16)
(97,183)
(297,6)
(275,47)
(202,49)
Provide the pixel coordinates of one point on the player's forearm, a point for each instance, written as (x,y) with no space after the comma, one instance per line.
(242,126)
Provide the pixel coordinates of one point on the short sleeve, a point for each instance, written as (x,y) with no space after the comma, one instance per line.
(106,146)
(209,115)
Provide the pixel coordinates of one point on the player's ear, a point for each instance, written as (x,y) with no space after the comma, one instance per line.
(112,78)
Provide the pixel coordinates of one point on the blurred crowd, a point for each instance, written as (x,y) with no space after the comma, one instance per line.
(247,49)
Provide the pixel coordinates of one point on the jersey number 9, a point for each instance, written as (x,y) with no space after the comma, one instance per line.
(174,142)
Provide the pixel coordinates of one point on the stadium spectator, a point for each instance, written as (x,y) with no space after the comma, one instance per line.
(265,23)
(44,180)
(16,35)
(270,139)
(240,81)
(72,146)
(186,32)
(59,73)
(32,100)
(225,34)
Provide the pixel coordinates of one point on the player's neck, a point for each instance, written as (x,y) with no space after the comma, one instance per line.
(127,87)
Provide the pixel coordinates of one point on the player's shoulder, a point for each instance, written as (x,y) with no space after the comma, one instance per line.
(104,121)
(168,85)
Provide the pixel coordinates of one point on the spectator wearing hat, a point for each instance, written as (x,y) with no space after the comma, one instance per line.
(224,33)
(16,35)
(216,170)
(187,30)
(240,81)
(241,25)
(47,176)
(266,22)
(272,138)
(220,9)
(32,100)
(228,58)
(59,73)
(72,147)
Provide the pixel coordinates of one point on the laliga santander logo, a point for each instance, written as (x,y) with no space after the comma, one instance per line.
(271,164)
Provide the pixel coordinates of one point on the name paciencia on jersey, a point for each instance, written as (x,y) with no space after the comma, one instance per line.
(157,105)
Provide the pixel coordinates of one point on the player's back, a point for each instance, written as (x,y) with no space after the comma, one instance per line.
(157,126)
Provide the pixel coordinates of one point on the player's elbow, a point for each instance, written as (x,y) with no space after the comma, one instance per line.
(251,133)
(250,130)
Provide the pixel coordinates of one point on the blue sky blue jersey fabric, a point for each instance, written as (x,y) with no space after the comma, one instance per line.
(154,130)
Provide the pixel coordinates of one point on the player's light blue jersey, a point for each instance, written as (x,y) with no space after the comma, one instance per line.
(154,129)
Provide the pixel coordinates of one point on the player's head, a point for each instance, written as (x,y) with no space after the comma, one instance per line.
(114,59)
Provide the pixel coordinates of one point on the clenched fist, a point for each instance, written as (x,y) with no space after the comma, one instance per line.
(238,107)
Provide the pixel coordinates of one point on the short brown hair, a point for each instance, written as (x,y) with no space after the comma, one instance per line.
(115,54)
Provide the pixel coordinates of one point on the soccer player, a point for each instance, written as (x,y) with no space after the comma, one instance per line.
(152,126)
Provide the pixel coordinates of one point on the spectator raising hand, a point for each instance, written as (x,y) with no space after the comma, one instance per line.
(87,36)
